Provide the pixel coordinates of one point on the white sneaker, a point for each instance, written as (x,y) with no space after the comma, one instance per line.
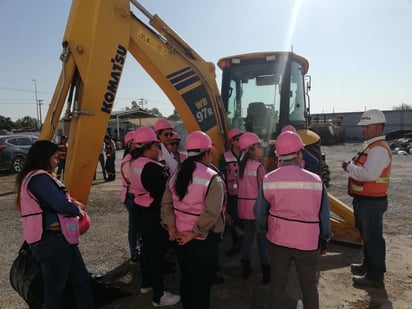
(146,290)
(168,299)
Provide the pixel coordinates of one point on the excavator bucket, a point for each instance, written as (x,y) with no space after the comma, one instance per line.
(343,223)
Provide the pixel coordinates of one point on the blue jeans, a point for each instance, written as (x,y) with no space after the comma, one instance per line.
(133,233)
(368,220)
(60,168)
(62,266)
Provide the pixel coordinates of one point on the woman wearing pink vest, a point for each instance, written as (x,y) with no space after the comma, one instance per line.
(127,198)
(192,210)
(229,165)
(147,184)
(51,228)
(251,173)
(292,210)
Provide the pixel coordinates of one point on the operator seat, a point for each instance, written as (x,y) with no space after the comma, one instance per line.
(257,118)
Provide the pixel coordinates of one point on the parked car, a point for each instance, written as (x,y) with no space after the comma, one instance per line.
(13,151)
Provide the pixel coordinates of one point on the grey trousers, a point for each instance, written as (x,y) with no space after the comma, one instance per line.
(306,263)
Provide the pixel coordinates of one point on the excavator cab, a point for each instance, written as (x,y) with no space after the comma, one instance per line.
(263,92)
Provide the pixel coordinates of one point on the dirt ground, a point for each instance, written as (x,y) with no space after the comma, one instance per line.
(105,251)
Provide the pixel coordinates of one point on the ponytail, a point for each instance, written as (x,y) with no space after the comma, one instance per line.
(185,175)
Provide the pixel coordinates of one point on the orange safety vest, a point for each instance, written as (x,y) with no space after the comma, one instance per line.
(378,188)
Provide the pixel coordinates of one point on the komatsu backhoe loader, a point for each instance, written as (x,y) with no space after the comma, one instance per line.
(260,92)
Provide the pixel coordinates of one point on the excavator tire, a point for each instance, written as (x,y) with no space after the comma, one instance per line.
(325,173)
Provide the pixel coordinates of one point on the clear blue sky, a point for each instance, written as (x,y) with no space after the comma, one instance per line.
(360,51)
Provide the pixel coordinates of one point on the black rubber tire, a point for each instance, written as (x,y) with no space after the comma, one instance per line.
(17,164)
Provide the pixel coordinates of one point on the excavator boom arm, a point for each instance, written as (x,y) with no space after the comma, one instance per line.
(98,37)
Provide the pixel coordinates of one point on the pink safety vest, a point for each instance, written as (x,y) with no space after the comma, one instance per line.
(232,171)
(32,214)
(248,190)
(295,196)
(125,182)
(188,210)
(142,197)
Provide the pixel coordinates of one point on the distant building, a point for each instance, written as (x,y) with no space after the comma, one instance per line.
(395,120)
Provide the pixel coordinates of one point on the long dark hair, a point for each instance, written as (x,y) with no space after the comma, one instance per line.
(38,158)
(139,151)
(127,149)
(185,174)
(243,161)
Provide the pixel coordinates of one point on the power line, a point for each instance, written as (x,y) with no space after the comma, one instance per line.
(23,90)
(15,103)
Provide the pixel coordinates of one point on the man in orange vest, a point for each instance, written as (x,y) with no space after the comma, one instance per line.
(369,172)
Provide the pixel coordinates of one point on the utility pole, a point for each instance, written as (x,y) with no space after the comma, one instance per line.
(36,102)
(40,104)
(141,103)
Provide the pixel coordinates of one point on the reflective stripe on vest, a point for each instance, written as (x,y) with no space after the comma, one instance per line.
(32,214)
(248,190)
(125,183)
(188,210)
(295,196)
(378,188)
(232,172)
(142,197)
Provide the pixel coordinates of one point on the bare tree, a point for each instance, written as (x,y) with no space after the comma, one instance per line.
(402,106)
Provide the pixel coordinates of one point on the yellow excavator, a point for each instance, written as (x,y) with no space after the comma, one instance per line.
(261,92)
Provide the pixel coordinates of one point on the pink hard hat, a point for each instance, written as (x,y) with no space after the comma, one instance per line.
(248,139)
(198,140)
(128,137)
(175,137)
(288,143)
(233,133)
(84,223)
(162,124)
(144,135)
(289,127)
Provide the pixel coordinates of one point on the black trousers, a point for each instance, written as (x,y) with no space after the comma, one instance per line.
(110,168)
(155,241)
(197,261)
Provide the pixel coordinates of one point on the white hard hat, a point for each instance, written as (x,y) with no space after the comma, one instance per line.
(372,116)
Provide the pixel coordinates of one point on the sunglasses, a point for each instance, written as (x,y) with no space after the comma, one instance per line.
(167,134)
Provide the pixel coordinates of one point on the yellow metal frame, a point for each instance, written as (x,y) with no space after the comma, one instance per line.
(99,35)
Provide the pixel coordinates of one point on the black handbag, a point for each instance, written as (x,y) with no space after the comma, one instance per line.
(26,279)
